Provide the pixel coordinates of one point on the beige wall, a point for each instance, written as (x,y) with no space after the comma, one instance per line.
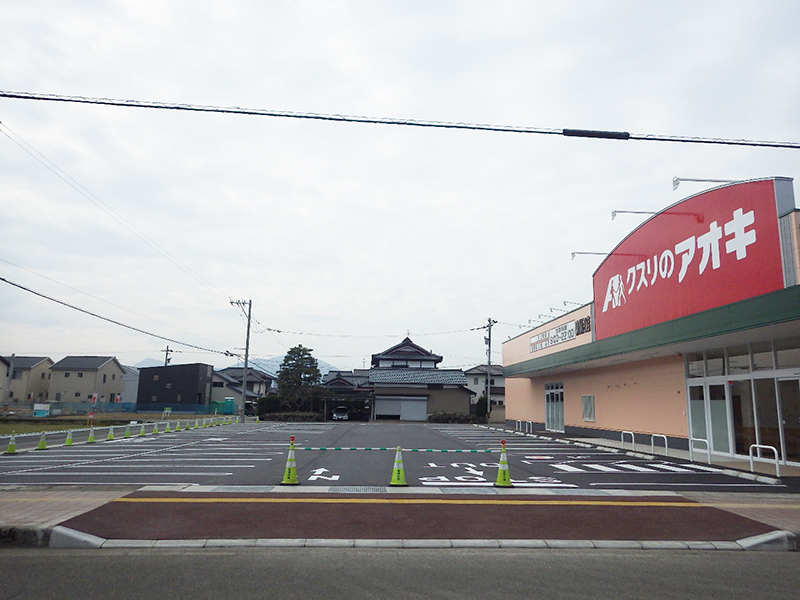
(518,349)
(448,400)
(644,397)
(77,389)
(30,381)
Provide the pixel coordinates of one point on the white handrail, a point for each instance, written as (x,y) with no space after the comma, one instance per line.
(653,443)
(633,440)
(517,425)
(691,448)
(774,451)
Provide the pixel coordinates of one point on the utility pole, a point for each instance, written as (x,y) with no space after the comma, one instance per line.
(167,352)
(488,340)
(241,304)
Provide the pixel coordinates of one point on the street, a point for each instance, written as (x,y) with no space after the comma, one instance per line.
(339,574)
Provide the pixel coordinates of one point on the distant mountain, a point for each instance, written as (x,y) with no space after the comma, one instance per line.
(149,362)
(272,365)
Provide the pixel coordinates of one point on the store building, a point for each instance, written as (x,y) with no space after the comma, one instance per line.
(693,333)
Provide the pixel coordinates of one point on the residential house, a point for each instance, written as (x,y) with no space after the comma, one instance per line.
(29,379)
(476,382)
(405,383)
(86,378)
(5,377)
(224,386)
(260,383)
(130,385)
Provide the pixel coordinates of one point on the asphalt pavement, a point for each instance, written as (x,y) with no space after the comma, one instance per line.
(221,485)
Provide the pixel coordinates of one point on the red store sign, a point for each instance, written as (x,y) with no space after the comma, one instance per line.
(712,249)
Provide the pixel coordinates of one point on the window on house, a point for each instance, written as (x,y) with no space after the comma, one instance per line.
(474,381)
(104,377)
(217,384)
(80,375)
(42,375)
(113,376)
(588,408)
(66,374)
(77,394)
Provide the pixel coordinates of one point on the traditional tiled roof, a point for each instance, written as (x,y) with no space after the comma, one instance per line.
(23,363)
(355,378)
(252,374)
(419,376)
(406,350)
(481,370)
(82,363)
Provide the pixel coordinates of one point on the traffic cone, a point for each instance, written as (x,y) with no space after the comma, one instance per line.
(90,439)
(178,426)
(398,473)
(127,432)
(142,431)
(68,441)
(503,474)
(110,436)
(155,429)
(42,442)
(12,444)
(196,424)
(167,428)
(290,473)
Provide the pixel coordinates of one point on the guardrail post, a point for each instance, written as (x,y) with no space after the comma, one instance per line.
(633,440)
(653,443)
(691,448)
(774,451)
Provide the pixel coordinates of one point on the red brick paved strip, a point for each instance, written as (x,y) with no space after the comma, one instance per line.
(247,516)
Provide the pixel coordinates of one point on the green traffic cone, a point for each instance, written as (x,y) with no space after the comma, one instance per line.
(398,473)
(503,474)
(12,444)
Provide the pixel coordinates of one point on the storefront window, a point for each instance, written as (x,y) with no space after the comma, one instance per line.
(715,362)
(738,360)
(788,353)
(762,356)
(696,367)
(744,422)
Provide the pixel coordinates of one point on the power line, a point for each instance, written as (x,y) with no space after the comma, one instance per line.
(69,287)
(349,335)
(583,133)
(78,187)
(112,321)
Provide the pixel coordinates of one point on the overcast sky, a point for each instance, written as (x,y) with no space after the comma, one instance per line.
(358,234)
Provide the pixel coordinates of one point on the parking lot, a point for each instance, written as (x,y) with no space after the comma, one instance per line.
(358,455)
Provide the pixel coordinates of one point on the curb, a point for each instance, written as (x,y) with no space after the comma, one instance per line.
(611,449)
(64,537)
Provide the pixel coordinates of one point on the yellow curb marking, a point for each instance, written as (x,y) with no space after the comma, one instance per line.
(408,501)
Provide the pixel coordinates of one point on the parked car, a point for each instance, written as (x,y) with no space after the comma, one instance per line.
(340,413)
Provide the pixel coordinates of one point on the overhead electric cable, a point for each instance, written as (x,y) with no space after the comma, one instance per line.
(74,184)
(350,335)
(584,133)
(69,287)
(112,321)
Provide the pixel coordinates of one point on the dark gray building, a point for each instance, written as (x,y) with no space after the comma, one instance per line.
(180,387)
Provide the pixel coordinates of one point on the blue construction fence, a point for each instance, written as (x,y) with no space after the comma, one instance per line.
(57,409)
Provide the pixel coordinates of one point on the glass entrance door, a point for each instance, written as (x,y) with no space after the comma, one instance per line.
(718,418)
(789,391)
(554,407)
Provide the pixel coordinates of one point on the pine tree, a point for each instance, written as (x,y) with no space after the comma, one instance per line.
(297,378)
